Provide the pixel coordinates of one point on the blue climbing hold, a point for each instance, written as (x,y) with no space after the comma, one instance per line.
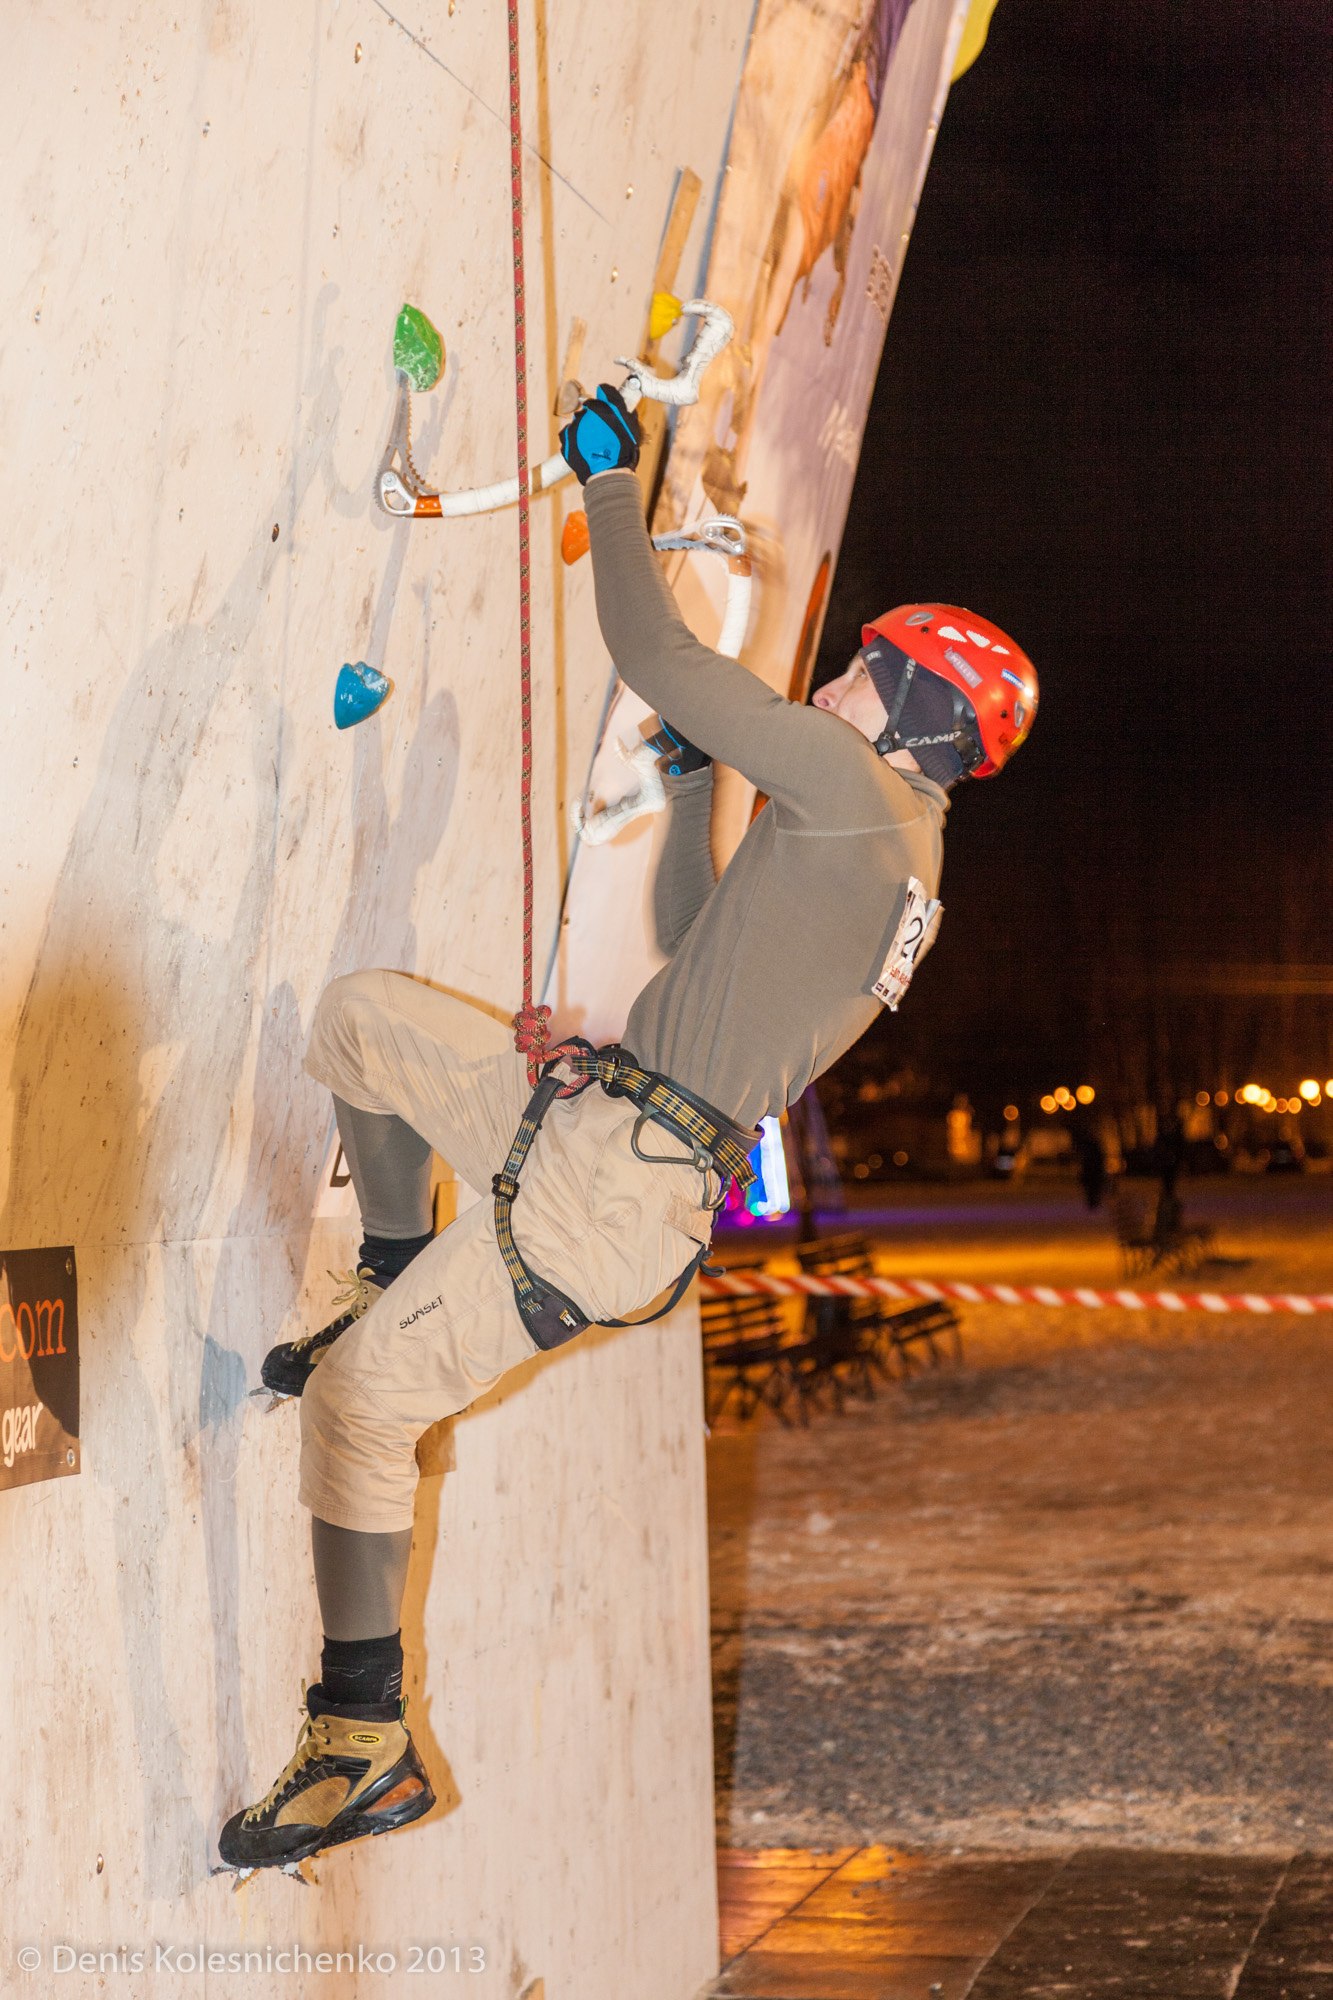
(360,691)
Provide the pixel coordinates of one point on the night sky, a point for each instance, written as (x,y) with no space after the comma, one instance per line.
(1103,419)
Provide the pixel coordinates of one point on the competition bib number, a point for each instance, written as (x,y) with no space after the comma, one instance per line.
(913,938)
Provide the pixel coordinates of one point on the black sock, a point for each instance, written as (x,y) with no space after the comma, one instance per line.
(354,1672)
(388,1256)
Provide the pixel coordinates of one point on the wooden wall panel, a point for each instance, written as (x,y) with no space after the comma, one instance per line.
(213,213)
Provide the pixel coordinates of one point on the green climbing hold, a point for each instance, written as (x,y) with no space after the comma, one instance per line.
(418,349)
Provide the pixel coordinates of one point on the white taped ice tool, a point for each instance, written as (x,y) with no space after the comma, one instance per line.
(402,492)
(724,536)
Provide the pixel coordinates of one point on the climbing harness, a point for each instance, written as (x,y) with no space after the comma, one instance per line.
(717,1146)
(723,535)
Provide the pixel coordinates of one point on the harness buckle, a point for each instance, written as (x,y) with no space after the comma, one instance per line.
(614,1086)
(504,1187)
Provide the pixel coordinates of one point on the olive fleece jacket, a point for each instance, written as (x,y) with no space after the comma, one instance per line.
(773,966)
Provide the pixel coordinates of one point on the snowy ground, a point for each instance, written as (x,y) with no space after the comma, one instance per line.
(1080,1590)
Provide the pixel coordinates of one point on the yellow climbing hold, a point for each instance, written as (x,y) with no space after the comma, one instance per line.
(973,39)
(663,315)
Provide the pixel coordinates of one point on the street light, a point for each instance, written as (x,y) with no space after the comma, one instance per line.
(1310,1090)
(1085,1093)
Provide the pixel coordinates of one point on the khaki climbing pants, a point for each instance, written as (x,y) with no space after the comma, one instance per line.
(606,1227)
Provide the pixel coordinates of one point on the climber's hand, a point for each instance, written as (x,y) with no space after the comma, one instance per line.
(601,436)
(676,755)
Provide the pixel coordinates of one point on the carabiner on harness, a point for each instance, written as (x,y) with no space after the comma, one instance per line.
(698,1157)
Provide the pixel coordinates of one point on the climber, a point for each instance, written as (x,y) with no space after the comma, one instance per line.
(773,971)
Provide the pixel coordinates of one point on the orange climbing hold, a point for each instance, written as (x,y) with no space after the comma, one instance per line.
(574,536)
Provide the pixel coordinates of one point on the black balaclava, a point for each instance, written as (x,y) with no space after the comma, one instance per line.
(926,724)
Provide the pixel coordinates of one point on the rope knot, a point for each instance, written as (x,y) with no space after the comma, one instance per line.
(532,1032)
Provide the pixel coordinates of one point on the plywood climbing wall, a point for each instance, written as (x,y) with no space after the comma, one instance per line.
(213,214)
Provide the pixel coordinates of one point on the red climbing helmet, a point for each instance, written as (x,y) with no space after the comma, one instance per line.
(996,679)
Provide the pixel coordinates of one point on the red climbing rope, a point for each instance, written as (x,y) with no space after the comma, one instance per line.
(531,1024)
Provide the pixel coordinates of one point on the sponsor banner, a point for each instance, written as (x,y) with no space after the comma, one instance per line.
(39,1366)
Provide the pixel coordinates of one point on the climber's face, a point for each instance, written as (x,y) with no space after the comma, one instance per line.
(852,698)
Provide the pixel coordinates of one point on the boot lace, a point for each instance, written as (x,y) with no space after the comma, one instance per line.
(354,1301)
(310,1744)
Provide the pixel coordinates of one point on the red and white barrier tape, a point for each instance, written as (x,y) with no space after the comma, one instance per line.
(747,1284)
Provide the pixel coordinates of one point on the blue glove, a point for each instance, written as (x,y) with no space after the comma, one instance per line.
(601,436)
(676,755)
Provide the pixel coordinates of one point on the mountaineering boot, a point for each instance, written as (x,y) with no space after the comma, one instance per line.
(288,1368)
(355,1771)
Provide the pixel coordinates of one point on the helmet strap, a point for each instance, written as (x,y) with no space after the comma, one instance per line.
(963,737)
(890,737)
